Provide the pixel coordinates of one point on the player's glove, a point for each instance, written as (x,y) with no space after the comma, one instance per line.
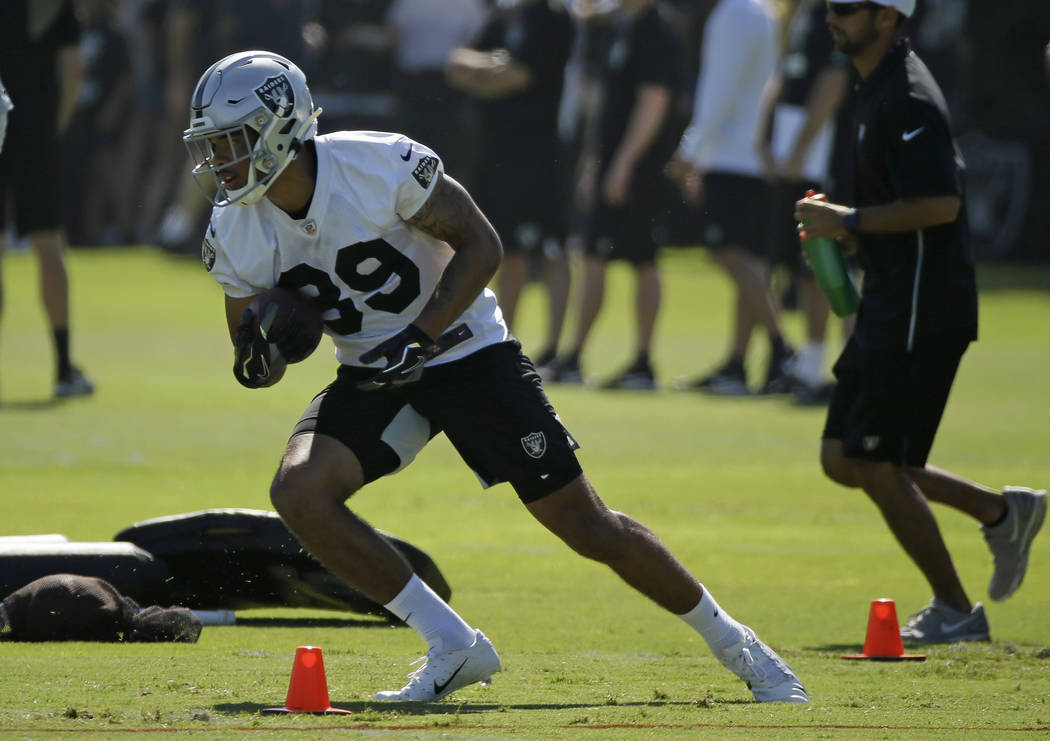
(405,353)
(256,362)
(291,335)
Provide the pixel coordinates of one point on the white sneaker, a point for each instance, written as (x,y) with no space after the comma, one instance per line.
(444,672)
(1011,540)
(766,674)
(940,623)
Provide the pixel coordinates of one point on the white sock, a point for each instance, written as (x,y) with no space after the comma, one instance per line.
(713,623)
(430,616)
(809,368)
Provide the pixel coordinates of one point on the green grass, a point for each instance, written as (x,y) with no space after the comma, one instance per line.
(732,485)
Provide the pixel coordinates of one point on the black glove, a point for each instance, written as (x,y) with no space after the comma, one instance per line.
(290,336)
(405,353)
(256,362)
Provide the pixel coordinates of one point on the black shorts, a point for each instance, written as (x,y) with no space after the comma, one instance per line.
(628,232)
(888,402)
(491,406)
(729,209)
(29,171)
(782,240)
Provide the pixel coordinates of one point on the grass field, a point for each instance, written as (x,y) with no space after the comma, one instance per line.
(732,485)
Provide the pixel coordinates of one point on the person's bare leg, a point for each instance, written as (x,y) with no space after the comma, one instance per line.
(592,294)
(815,307)
(911,521)
(510,282)
(558,278)
(315,478)
(646,305)
(984,504)
(49,246)
(751,275)
(577,515)
(936,484)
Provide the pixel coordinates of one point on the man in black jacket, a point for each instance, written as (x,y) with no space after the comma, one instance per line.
(917,316)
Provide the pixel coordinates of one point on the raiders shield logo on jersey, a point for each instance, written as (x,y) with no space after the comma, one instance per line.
(425,170)
(535,444)
(207,255)
(276,94)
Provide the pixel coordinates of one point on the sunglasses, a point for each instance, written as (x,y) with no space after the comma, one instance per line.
(844,9)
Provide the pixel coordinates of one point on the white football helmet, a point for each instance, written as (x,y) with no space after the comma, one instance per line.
(262,96)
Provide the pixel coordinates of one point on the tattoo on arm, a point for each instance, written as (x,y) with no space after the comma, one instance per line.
(449,214)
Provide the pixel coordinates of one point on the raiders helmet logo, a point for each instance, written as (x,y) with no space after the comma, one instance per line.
(276,94)
(207,255)
(535,444)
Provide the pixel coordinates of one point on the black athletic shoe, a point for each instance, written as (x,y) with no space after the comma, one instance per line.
(729,380)
(635,378)
(780,378)
(812,396)
(74,383)
(563,370)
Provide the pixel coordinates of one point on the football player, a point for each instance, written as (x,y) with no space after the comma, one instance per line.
(397,256)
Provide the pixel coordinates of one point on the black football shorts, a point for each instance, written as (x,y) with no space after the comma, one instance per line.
(889,401)
(490,405)
(30,171)
(732,212)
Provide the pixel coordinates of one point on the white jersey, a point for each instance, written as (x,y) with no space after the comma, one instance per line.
(353,253)
(738,55)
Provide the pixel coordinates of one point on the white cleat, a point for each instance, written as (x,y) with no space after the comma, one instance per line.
(766,674)
(444,672)
(1011,540)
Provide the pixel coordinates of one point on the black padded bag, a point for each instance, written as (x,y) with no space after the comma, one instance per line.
(131,570)
(68,607)
(244,558)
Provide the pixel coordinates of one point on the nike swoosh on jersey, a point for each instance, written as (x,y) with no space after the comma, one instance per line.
(909,135)
(439,688)
(407,155)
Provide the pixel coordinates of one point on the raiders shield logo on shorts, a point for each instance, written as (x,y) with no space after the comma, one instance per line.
(535,444)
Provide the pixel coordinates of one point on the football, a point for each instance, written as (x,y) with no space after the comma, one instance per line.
(291,319)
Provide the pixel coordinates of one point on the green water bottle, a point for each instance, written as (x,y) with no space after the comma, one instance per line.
(833,277)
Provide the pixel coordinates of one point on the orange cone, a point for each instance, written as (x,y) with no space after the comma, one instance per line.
(883,640)
(308,690)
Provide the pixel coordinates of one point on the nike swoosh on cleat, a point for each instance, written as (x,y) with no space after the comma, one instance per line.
(949,627)
(439,688)
(909,135)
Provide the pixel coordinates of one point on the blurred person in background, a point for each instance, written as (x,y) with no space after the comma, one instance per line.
(5,106)
(40,62)
(430,110)
(515,71)
(620,176)
(199,31)
(906,215)
(718,167)
(351,58)
(99,206)
(796,131)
